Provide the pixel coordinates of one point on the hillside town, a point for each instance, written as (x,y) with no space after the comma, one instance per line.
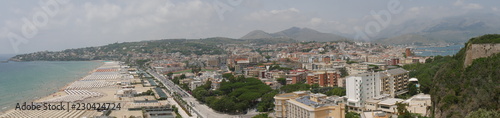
(370,74)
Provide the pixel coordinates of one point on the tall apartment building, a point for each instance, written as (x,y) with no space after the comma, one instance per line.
(323,78)
(375,85)
(304,105)
(362,87)
(395,81)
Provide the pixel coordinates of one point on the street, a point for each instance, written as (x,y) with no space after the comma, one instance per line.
(202,109)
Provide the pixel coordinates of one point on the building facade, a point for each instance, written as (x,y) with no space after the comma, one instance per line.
(305,105)
(323,78)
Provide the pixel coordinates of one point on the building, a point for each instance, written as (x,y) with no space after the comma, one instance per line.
(125,93)
(295,77)
(408,52)
(304,105)
(395,81)
(323,78)
(357,68)
(366,88)
(362,87)
(391,62)
(420,104)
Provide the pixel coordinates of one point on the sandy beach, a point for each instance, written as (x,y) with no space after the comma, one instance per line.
(99,86)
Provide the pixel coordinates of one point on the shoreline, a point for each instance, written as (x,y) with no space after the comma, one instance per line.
(61,89)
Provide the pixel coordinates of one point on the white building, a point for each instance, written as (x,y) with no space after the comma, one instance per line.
(362,87)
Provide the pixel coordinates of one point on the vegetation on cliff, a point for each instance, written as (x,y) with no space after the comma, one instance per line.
(488,38)
(457,91)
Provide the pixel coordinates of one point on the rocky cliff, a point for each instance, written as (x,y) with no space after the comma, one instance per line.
(469,80)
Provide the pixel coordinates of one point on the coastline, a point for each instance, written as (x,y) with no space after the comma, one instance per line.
(102,85)
(59,90)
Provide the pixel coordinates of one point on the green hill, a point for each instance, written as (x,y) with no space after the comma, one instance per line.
(123,51)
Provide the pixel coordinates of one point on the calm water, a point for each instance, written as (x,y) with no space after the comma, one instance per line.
(26,81)
(434,51)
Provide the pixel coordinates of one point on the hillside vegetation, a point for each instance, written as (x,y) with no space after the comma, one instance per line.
(457,91)
(122,51)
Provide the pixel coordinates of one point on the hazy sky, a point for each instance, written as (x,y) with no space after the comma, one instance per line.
(29,25)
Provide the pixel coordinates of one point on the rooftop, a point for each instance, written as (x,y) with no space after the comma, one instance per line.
(390,101)
(396,71)
(305,100)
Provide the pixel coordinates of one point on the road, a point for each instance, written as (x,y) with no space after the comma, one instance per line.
(203,109)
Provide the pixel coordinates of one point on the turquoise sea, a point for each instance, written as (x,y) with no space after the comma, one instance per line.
(27,81)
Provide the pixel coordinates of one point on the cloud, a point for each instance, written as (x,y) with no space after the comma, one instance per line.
(460,3)
(316,21)
(494,9)
(281,14)
(102,22)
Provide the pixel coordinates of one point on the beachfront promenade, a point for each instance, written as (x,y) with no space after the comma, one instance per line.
(99,86)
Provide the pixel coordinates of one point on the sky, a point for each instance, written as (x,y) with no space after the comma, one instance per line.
(53,25)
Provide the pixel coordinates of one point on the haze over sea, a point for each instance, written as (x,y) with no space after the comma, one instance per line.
(27,81)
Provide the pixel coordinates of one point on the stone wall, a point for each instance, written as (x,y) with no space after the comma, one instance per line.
(475,51)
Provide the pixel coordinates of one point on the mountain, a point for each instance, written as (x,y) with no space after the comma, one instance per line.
(455,29)
(300,34)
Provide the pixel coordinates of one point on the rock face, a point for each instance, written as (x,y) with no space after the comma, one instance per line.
(475,51)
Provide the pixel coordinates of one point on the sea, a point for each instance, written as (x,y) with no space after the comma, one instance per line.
(27,81)
(434,51)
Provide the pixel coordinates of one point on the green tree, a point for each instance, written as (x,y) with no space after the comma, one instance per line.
(343,72)
(267,102)
(262,115)
(482,113)
(336,91)
(170,74)
(267,57)
(183,76)
(402,111)
(352,115)
(412,89)
(282,81)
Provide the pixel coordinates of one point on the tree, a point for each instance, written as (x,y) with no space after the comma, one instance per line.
(295,87)
(195,69)
(315,86)
(267,101)
(343,72)
(428,60)
(402,111)
(268,57)
(183,76)
(227,75)
(170,74)
(176,80)
(262,115)
(482,113)
(412,89)
(336,91)
(352,115)
(282,81)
